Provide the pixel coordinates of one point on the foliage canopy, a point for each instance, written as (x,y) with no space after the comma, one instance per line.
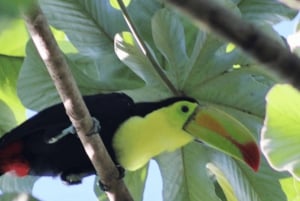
(104,57)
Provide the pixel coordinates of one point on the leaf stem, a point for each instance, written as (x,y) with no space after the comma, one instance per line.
(145,49)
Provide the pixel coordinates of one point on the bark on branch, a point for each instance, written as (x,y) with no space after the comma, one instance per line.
(74,104)
(263,48)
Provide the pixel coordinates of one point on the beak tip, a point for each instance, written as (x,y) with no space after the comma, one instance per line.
(251,155)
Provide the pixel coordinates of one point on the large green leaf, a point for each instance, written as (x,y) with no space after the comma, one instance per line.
(98,69)
(16,196)
(267,11)
(11,8)
(37,91)
(98,23)
(14,38)
(291,188)
(247,185)
(130,54)
(168,33)
(187,175)
(91,25)
(12,111)
(280,137)
(292,3)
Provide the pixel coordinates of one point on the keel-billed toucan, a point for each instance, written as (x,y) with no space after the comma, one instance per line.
(133,133)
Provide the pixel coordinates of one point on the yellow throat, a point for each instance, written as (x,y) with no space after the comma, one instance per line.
(139,139)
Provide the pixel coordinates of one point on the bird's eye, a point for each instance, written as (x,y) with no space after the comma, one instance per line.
(184,108)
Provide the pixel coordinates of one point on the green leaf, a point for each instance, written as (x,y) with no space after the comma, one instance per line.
(12,110)
(208,60)
(9,11)
(37,90)
(185,176)
(291,188)
(130,54)
(13,39)
(115,4)
(223,182)
(247,185)
(280,137)
(91,25)
(242,89)
(267,11)
(292,3)
(16,196)
(12,184)
(11,8)
(63,41)
(168,35)
(136,182)
(96,68)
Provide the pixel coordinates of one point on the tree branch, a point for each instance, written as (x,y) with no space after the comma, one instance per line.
(74,104)
(263,48)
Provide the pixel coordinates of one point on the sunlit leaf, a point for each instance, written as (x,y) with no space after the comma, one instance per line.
(291,188)
(280,137)
(13,39)
(12,110)
(115,4)
(16,197)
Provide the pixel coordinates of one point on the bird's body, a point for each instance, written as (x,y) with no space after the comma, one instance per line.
(132,133)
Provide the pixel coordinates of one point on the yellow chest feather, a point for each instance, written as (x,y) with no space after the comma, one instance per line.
(138,140)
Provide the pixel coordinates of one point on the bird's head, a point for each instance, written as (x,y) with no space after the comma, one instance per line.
(156,127)
(178,113)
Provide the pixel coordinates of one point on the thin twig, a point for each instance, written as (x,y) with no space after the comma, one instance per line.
(145,50)
(262,47)
(74,104)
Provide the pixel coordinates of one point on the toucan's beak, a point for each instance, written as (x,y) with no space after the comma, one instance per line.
(223,132)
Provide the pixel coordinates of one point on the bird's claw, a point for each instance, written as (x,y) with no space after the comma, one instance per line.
(105,187)
(121,171)
(71,130)
(95,128)
(63,133)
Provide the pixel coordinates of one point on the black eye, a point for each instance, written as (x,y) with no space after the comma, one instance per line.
(184,108)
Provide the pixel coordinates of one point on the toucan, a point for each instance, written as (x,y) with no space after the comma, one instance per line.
(133,133)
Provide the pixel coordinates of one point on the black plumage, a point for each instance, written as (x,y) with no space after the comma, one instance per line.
(28,144)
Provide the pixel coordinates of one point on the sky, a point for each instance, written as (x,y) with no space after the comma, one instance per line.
(52,189)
